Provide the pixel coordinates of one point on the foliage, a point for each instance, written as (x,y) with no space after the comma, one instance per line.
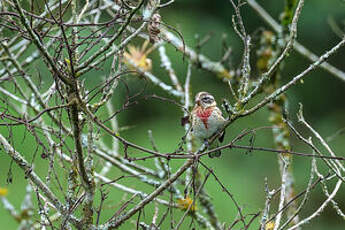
(71,73)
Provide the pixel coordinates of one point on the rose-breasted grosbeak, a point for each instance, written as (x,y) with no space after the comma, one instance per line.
(207,119)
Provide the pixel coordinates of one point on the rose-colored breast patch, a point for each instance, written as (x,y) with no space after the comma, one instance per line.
(204,115)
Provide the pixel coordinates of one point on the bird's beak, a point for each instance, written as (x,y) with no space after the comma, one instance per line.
(198,102)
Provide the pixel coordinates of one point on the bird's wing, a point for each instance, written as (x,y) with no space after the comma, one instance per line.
(220,115)
(193,113)
(185,120)
(189,118)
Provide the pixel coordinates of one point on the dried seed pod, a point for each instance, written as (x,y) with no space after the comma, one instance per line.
(153,28)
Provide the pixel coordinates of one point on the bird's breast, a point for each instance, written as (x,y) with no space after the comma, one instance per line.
(204,115)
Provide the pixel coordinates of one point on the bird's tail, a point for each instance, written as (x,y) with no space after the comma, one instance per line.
(215,144)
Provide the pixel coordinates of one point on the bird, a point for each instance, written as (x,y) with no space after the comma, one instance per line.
(206,120)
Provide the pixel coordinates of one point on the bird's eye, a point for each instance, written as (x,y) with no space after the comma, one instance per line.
(207,99)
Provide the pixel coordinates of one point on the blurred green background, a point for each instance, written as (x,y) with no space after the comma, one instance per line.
(243,174)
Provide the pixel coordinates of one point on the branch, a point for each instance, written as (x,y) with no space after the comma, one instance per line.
(150,197)
(278,61)
(39,44)
(285,87)
(297,46)
(24,165)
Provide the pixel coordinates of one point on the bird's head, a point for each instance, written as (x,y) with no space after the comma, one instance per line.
(205,100)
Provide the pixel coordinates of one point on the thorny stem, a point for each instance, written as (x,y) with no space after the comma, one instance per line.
(33,88)
(150,197)
(285,87)
(39,44)
(297,46)
(30,173)
(67,82)
(87,63)
(274,66)
(284,175)
(86,180)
